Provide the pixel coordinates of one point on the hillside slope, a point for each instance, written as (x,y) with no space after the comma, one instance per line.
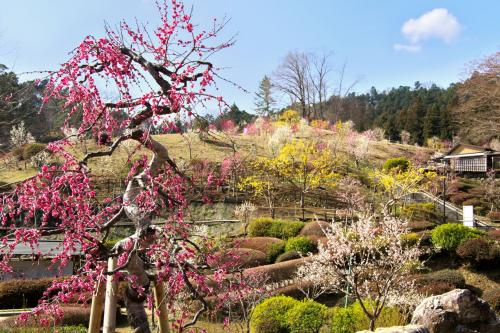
(248,147)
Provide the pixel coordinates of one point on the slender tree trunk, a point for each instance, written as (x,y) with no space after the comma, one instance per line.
(144,234)
(302,205)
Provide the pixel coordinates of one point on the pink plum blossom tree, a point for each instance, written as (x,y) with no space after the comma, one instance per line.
(151,74)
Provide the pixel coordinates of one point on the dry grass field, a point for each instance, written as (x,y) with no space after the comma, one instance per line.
(117,166)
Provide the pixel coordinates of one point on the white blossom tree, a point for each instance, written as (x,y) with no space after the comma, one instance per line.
(368,261)
(281,136)
(20,136)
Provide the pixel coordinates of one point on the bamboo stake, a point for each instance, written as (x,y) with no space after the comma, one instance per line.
(161,304)
(96,308)
(110,303)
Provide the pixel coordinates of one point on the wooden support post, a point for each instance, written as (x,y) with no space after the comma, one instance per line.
(109,324)
(161,304)
(96,308)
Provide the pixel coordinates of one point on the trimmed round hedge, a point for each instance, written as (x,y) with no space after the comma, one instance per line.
(288,256)
(31,149)
(479,252)
(397,163)
(306,317)
(300,244)
(269,316)
(271,246)
(316,228)
(447,276)
(268,227)
(450,235)
(22,293)
(242,258)
(492,296)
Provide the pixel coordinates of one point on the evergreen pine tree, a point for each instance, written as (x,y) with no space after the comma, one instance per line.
(264,100)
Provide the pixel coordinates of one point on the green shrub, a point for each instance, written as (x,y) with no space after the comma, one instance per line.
(31,149)
(72,315)
(290,229)
(343,320)
(306,317)
(419,211)
(479,252)
(267,227)
(353,319)
(291,255)
(260,227)
(274,251)
(269,316)
(399,163)
(299,244)
(492,296)
(411,238)
(450,235)
(450,276)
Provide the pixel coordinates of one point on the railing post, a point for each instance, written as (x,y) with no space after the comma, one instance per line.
(96,308)
(161,304)
(109,325)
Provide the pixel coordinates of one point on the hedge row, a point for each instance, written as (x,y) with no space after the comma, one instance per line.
(268,227)
(480,252)
(20,293)
(440,282)
(284,314)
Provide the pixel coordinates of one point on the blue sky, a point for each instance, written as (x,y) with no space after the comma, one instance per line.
(386,43)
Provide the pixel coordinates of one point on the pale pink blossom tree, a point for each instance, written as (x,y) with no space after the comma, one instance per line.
(368,260)
(151,74)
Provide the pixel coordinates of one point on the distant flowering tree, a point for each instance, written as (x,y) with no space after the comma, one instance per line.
(251,129)
(305,165)
(289,117)
(263,183)
(279,138)
(349,193)
(368,260)
(40,159)
(405,137)
(244,212)
(378,134)
(397,183)
(20,136)
(492,190)
(150,76)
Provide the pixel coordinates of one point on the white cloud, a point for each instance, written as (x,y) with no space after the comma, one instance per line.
(438,23)
(407,47)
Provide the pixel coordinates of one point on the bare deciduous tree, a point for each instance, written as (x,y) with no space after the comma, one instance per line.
(293,78)
(477,114)
(320,70)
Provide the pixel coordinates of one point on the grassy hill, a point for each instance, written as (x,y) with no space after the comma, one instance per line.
(117,166)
